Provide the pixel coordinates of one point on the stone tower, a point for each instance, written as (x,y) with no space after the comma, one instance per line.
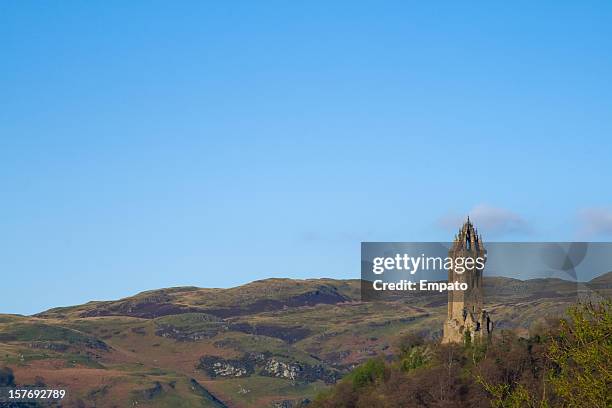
(466,315)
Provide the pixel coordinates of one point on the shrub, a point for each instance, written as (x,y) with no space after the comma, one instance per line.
(582,356)
(414,358)
(367,373)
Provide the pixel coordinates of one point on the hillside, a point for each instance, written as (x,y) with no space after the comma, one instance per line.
(273,342)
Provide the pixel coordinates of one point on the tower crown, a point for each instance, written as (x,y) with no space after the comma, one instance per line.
(467,239)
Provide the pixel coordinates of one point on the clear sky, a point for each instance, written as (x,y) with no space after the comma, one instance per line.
(154,144)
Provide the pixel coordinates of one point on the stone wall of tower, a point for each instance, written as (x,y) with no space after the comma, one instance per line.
(466,311)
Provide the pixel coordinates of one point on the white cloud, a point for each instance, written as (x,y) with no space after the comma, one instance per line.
(488,219)
(595,222)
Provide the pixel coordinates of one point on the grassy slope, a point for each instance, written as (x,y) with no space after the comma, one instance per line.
(107,354)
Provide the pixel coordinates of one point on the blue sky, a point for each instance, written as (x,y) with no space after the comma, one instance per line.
(150,144)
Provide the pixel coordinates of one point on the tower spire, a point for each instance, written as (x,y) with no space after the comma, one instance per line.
(466,313)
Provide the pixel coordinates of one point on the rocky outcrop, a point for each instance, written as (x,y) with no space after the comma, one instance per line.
(220,367)
(275,368)
(298,371)
(267,365)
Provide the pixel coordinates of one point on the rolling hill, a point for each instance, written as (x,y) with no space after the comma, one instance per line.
(274,342)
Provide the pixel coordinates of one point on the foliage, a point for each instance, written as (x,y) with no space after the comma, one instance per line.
(416,357)
(409,340)
(367,373)
(349,392)
(506,396)
(582,357)
(467,338)
(562,366)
